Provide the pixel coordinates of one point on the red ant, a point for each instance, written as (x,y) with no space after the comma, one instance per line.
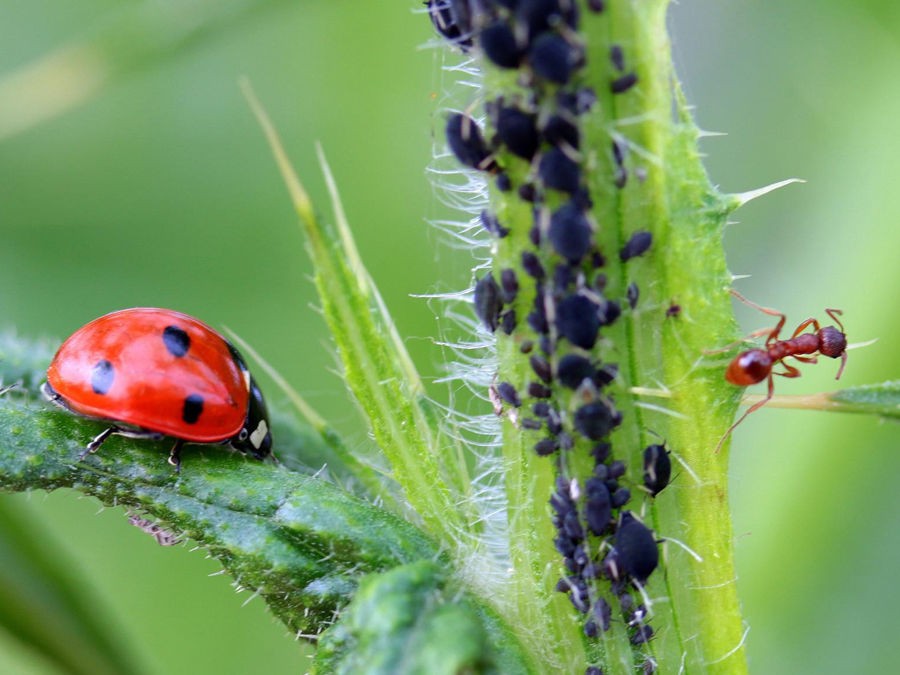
(755,365)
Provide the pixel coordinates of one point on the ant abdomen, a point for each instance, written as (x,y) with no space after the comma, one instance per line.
(751,367)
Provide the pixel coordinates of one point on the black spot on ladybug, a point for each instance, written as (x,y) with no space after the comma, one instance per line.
(192,409)
(637,245)
(102,376)
(177,341)
(622,84)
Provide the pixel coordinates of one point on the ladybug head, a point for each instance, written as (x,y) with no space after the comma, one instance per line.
(255,438)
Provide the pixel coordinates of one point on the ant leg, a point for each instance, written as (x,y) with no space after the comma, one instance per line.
(834,313)
(843,363)
(791,371)
(773,334)
(803,326)
(756,406)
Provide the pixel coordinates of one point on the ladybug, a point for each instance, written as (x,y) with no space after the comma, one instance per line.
(155,372)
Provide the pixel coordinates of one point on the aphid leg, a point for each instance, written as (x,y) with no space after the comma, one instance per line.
(756,406)
(175,455)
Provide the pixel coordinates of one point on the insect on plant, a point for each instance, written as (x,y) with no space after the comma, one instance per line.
(755,365)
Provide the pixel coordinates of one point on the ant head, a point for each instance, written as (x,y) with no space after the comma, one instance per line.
(832,342)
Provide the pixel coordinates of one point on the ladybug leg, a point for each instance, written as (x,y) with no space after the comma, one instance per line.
(97,441)
(175,455)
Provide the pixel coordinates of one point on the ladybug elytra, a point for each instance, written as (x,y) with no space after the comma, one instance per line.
(152,373)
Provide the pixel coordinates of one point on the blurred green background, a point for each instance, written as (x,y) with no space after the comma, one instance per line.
(159,190)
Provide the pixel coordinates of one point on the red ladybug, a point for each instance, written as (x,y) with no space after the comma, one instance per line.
(153,373)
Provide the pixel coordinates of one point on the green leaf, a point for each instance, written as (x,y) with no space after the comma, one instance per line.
(411,620)
(873,399)
(298,541)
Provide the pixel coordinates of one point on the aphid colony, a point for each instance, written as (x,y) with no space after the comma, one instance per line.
(535,137)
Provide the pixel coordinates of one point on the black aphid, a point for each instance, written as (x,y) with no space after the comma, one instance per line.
(570,232)
(509,394)
(622,84)
(559,171)
(577,320)
(499,44)
(617,57)
(508,321)
(637,245)
(620,497)
(657,468)
(532,265)
(490,223)
(573,369)
(642,635)
(488,304)
(595,420)
(538,16)
(451,18)
(509,285)
(538,390)
(541,368)
(553,58)
(632,293)
(546,446)
(597,505)
(517,130)
(558,130)
(635,545)
(466,142)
